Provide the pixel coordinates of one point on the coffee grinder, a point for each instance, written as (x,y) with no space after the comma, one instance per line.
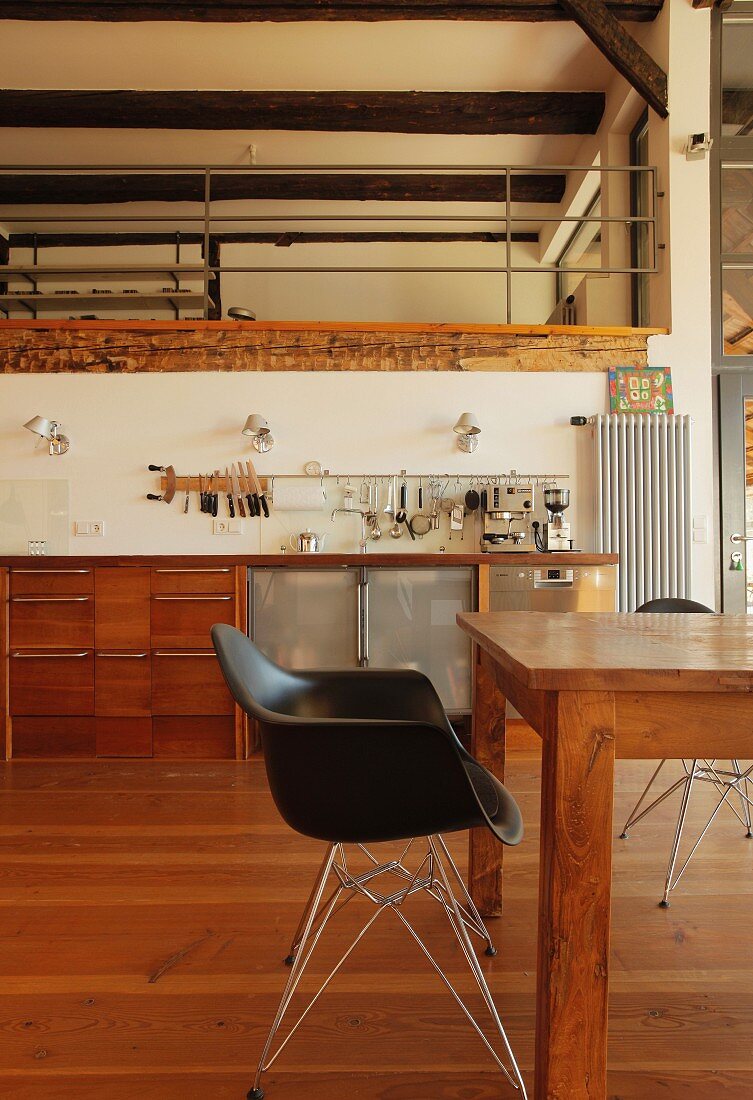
(556,532)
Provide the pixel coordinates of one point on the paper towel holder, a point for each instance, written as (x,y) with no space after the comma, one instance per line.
(257,427)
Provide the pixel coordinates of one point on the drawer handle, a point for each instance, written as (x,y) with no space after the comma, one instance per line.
(27,656)
(50,599)
(172,571)
(127,655)
(182,653)
(52,572)
(203,598)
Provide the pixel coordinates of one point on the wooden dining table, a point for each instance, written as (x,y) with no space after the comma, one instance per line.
(595,687)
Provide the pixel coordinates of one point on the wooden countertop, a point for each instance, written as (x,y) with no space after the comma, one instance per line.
(187,561)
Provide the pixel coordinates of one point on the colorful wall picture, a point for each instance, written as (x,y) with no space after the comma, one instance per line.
(637,389)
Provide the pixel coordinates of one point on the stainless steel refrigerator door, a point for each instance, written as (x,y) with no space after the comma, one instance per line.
(306,618)
(411,624)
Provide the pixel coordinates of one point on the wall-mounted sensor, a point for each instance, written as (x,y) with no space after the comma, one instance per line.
(697,146)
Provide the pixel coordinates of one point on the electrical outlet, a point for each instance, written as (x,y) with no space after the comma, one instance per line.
(89,527)
(227,527)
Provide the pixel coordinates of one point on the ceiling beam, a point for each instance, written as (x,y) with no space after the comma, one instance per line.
(66,189)
(383,112)
(280,238)
(621,50)
(282,11)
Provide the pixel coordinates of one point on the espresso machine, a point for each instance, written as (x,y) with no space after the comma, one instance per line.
(506,512)
(556,531)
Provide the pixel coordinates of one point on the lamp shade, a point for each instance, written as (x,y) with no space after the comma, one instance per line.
(467,424)
(256,425)
(40,425)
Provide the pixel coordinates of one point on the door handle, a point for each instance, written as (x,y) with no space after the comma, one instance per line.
(195,599)
(99,653)
(27,656)
(740,538)
(50,599)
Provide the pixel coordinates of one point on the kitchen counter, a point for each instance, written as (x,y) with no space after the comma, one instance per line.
(72,561)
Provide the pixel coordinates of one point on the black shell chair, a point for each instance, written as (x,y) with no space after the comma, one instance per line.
(727,782)
(361,757)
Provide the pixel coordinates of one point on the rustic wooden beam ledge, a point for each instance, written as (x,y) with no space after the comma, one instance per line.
(131,347)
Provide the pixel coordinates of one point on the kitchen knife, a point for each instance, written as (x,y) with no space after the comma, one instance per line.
(259,494)
(246,487)
(188,495)
(237,492)
(229,494)
(169,493)
(214,500)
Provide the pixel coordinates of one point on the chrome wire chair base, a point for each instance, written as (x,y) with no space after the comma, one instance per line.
(433,876)
(726,782)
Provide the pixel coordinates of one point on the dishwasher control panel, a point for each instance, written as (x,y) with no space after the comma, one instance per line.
(553,588)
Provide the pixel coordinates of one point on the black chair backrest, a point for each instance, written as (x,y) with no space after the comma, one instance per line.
(674,605)
(355,756)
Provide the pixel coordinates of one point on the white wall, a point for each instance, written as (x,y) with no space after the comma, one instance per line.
(351,422)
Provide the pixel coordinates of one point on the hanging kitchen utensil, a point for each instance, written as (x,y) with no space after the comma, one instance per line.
(229,494)
(389,508)
(188,495)
(253,509)
(420,494)
(237,492)
(260,497)
(169,493)
(376,530)
(420,524)
(214,494)
(472,500)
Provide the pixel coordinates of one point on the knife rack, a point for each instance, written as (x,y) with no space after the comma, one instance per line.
(220,484)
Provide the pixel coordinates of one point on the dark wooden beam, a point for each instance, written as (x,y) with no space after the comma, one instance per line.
(722,5)
(282,11)
(280,239)
(622,50)
(377,112)
(61,189)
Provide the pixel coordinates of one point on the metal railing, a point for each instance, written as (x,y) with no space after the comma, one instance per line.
(512,214)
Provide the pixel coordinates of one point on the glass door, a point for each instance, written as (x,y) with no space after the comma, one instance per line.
(736,491)
(306,618)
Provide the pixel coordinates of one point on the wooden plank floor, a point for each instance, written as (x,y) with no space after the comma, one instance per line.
(145,909)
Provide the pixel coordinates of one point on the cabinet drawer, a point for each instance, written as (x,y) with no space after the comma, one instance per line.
(47,582)
(208,579)
(122,683)
(122,610)
(194,738)
(185,621)
(124,736)
(188,683)
(41,622)
(52,682)
(57,735)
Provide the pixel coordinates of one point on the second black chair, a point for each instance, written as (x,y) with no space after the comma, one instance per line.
(726,781)
(360,757)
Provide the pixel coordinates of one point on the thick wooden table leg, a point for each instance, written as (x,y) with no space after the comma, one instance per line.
(574,897)
(488,746)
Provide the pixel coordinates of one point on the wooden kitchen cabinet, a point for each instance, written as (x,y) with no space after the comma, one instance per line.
(188,682)
(55,682)
(56,735)
(120,736)
(122,683)
(184,621)
(202,737)
(167,581)
(52,582)
(122,608)
(51,622)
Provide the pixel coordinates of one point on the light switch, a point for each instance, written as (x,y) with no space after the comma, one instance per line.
(700,528)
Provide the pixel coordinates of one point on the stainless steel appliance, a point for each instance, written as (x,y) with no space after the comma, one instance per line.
(556,533)
(553,588)
(507,511)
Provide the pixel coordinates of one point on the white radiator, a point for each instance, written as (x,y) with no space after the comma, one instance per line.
(643,505)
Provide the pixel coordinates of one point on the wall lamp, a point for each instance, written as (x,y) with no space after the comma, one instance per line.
(467,430)
(260,432)
(49,430)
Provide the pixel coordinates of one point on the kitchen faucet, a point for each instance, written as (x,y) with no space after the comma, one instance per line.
(367,520)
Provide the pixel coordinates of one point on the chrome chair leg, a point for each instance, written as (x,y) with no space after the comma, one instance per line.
(668,884)
(430,877)
(744,799)
(491,950)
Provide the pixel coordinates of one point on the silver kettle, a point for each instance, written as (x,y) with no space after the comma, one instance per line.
(307,542)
